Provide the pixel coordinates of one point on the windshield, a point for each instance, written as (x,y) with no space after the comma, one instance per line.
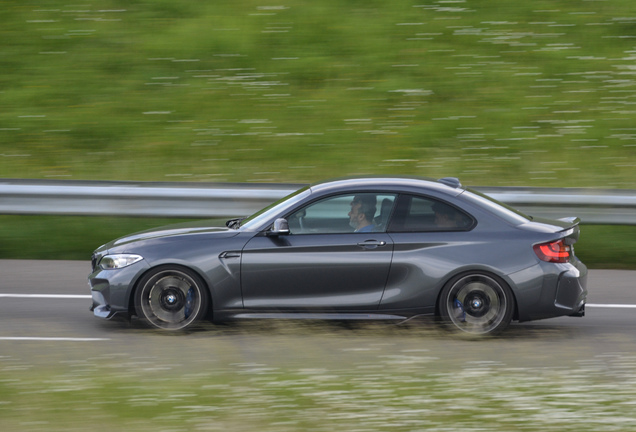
(259,218)
(500,209)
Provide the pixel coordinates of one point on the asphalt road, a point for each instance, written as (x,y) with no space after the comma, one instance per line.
(45,319)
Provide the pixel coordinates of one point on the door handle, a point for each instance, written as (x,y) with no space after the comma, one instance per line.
(371,244)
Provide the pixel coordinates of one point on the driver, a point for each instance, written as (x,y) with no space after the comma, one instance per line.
(363,208)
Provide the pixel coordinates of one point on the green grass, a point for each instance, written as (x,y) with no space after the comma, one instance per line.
(404,391)
(607,247)
(497,92)
(75,238)
(66,237)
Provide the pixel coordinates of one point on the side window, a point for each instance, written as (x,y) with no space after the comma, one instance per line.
(420,214)
(362,212)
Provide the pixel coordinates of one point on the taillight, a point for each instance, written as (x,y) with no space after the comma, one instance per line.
(555,251)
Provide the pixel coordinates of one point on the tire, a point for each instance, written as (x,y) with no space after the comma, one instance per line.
(476,304)
(171,298)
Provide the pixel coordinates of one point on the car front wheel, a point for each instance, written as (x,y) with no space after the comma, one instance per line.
(171,298)
(476,304)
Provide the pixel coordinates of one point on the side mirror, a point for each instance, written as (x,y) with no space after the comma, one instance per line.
(281,227)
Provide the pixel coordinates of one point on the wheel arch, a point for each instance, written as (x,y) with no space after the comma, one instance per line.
(177,266)
(485,271)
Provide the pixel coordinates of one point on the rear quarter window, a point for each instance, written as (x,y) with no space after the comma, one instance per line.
(423,214)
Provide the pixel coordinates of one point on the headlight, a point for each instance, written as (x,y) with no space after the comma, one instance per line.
(110,262)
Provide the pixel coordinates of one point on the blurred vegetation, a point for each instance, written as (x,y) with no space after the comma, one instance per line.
(496,92)
(67,237)
(385,388)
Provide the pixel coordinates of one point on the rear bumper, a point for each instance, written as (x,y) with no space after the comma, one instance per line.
(549,290)
(580,313)
(571,292)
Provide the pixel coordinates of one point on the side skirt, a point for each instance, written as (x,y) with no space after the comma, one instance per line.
(319,316)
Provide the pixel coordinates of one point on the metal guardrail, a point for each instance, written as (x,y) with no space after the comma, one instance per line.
(593,206)
(201,200)
(192,200)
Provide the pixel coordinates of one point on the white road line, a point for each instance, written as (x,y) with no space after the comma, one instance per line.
(53,339)
(617,306)
(51,296)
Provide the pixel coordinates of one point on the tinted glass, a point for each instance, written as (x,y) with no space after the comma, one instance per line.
(421,214)
(363,212)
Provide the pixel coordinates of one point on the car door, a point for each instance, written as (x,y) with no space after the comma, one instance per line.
(322,264)
(431,239)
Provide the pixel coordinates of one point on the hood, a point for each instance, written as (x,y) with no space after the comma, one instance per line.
(188,228)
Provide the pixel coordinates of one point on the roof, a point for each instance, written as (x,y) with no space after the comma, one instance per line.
(450,186)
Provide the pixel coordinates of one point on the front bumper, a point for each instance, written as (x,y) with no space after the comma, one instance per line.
(100,307)
(111,290)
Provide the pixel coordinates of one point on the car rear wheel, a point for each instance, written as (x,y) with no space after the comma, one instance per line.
(171,298)
(476,304)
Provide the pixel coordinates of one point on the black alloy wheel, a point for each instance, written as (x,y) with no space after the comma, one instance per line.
(476,304)
(171,298)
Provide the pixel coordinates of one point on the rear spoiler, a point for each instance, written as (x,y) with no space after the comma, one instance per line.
(571,233)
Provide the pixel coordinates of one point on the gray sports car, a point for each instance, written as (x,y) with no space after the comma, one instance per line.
(358,248)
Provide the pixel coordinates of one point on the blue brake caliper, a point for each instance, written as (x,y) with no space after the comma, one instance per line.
(462,314)
(189,301)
